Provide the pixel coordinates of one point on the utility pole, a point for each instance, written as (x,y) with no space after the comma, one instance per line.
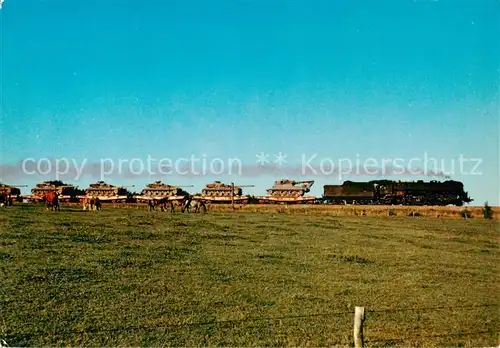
(232,192)
(232,195)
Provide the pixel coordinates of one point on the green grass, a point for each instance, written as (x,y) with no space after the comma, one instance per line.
(133,277)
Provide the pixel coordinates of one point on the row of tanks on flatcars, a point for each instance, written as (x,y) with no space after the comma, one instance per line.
(386,192)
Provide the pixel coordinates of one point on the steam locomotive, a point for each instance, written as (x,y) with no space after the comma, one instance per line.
(397,192)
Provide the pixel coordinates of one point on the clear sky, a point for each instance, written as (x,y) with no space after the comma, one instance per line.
(87,80)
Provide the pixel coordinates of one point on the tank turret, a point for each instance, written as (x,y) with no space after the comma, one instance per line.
(289,188)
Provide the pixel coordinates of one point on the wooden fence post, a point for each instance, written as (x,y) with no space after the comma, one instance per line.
(359,318)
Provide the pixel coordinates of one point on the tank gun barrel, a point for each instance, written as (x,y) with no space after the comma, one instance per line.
(233,184)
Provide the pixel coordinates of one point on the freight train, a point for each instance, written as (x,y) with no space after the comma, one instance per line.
(284,191)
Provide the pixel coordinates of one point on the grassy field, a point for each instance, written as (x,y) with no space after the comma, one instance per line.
(132,277)
(475,212)
(442,212)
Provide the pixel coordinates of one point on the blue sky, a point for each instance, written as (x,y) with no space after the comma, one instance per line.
(87,80)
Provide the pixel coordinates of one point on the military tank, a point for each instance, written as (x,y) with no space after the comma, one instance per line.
(289,188)
(288,191)
(107,191)
(219,189)
(10,193)
(218,192)
(64,190)
(10,190)
(160,190)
